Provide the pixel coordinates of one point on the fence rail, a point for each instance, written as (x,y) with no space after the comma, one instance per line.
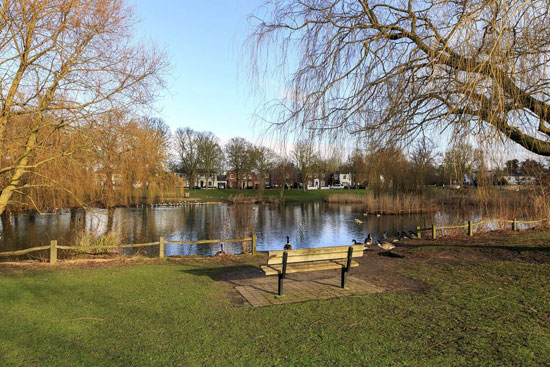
(471,224)
(53,247)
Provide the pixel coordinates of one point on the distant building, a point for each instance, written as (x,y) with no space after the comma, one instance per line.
(210,182)
(247,180)
(222,182)
(317,182)
(341,179)
(519,180)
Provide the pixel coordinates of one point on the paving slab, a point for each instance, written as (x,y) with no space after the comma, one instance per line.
(260,292)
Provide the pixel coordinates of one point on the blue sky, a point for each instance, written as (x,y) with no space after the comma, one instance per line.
(207,90)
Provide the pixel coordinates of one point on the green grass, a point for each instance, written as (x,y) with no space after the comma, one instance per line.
(292,195)
(173,313)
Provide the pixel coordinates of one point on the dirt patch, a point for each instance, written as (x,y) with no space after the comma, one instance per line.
(531,246)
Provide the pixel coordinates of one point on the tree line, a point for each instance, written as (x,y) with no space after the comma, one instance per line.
(390,169)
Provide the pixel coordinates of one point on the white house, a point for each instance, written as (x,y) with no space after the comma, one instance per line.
(342,179)
(520,180)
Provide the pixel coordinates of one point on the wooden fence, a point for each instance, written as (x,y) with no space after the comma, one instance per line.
(54,247)
(470,225)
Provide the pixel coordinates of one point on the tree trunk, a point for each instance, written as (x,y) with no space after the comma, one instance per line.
(15,180)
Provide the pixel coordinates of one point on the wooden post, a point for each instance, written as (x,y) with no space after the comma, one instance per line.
(470,229)
(515,225)
(254,239)
(434,232)
(161,248)
(53,252)
(418,234)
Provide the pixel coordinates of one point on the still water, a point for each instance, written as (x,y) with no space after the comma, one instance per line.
(307,224)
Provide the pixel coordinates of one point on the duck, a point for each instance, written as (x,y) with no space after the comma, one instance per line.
(365,214)
(287,246)
(358,221)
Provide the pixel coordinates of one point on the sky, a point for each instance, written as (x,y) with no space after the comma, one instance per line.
(206,87)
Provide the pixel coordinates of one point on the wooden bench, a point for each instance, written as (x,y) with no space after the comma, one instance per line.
(283,262)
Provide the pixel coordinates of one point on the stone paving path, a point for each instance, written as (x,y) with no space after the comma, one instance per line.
(263,291)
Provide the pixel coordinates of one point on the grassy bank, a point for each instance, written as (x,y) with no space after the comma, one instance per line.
(292,195)
(178,313)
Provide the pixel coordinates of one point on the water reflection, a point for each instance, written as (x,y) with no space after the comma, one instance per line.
(308,225)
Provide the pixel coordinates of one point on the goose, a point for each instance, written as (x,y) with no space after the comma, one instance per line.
(385,245)
(368,240)
(287,246)
(358,221)
(221,252)
(398,238)
(385,238)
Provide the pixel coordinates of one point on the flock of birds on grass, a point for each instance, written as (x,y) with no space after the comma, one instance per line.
(385,243)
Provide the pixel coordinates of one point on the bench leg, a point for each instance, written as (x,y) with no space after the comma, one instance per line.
(348,266)
(343,280)
(280,290)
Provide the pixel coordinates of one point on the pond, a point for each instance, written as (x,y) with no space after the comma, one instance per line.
(307,224)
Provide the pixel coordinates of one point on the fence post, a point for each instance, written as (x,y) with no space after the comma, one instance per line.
(418,234)
(161,248)
(254,238)
(53,252)
(434,232)
(470,228)
(515,225)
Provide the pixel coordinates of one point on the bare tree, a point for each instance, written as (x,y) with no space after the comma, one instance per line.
(187,148)
(394,68)
(304,158)
(357,166)
(210,153)
(422,159)
(237,154)
(263,160)
(459,162)
(64,63)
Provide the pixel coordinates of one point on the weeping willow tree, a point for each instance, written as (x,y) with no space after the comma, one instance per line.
(62,65)
(391,69)
(116,160)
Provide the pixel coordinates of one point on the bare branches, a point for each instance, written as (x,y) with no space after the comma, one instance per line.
(394,68)
(64,64)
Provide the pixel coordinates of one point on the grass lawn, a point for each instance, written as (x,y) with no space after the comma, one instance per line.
(292,195)
(174,313)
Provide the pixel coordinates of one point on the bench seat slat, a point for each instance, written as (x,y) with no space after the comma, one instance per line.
(317,250)
(302,255)
(307,266)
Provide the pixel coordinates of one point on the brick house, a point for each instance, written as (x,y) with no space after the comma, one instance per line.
(248,180)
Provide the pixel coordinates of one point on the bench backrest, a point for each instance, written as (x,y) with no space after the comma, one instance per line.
(314,254)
